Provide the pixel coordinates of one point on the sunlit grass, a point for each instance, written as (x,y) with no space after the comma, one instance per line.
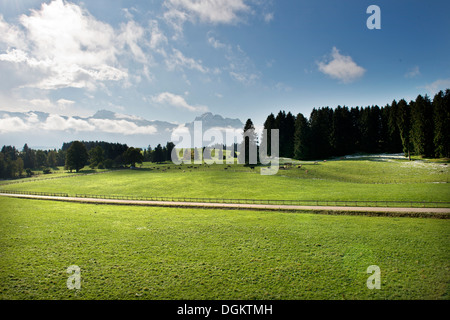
(349,180)
(161,253)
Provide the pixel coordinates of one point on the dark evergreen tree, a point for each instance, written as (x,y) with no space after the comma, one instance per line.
(77,156)
(422,126)
(394,141)
(249,154)
(41,159)
(441,109)
(10,152)
(302,138)
(158,154)
(52,159)
(133,156)
(266,142)
(341,134)
(28,156)
(404,126)
(168,151)
(321,122)
(370,129)
(280,124)
(289,132)
(355,115)
(96,156)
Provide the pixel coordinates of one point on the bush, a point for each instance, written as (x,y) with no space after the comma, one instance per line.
(29,172)
(108,163)
(101,166)
(47,171)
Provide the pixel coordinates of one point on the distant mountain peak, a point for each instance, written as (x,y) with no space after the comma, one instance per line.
(104,114)
(215,120)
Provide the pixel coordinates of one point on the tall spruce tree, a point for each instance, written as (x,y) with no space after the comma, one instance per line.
(158,154)
(441,116)
(321,122)
(302,138)
(404,126)
(266,138)
(249,154)
(341,134)
(280,124)
(289,132)
(422,126)
(394,141)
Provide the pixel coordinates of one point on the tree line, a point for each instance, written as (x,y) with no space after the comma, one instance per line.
(420,127)
(76,155)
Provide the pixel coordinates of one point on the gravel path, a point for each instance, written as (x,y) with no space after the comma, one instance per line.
(442,211)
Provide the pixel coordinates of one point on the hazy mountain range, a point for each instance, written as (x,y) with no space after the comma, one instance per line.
(42,130)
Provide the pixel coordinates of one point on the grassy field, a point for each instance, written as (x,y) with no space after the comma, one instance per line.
(167,253)
(161,253)
(342,180)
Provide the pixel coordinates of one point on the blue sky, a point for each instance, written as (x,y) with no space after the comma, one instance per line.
(173,60)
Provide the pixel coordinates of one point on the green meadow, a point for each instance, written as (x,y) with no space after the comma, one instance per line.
(154,253)
(341,180)
(173,254)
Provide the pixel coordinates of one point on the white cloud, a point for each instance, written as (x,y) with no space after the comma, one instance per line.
(62,45)
(13,124)
(268,17)
(56,122)
(341,67)
(244,78)
(414,72)
(12,36)
(131,34)
(438,85)
(241,68)
(210,11)
(178,60)
(65,103)
(177,101)
(157,38)
(216,44)
(121,127)
(206,11)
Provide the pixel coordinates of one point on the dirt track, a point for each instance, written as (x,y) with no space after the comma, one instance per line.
(442,212)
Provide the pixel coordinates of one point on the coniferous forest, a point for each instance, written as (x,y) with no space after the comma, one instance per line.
(420,127)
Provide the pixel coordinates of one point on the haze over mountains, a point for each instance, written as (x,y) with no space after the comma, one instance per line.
(42,130)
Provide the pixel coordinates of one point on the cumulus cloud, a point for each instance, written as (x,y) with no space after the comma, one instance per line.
(63,45)
(12,36)
(177,101)
(12,125)
(56,122)
(341,67)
